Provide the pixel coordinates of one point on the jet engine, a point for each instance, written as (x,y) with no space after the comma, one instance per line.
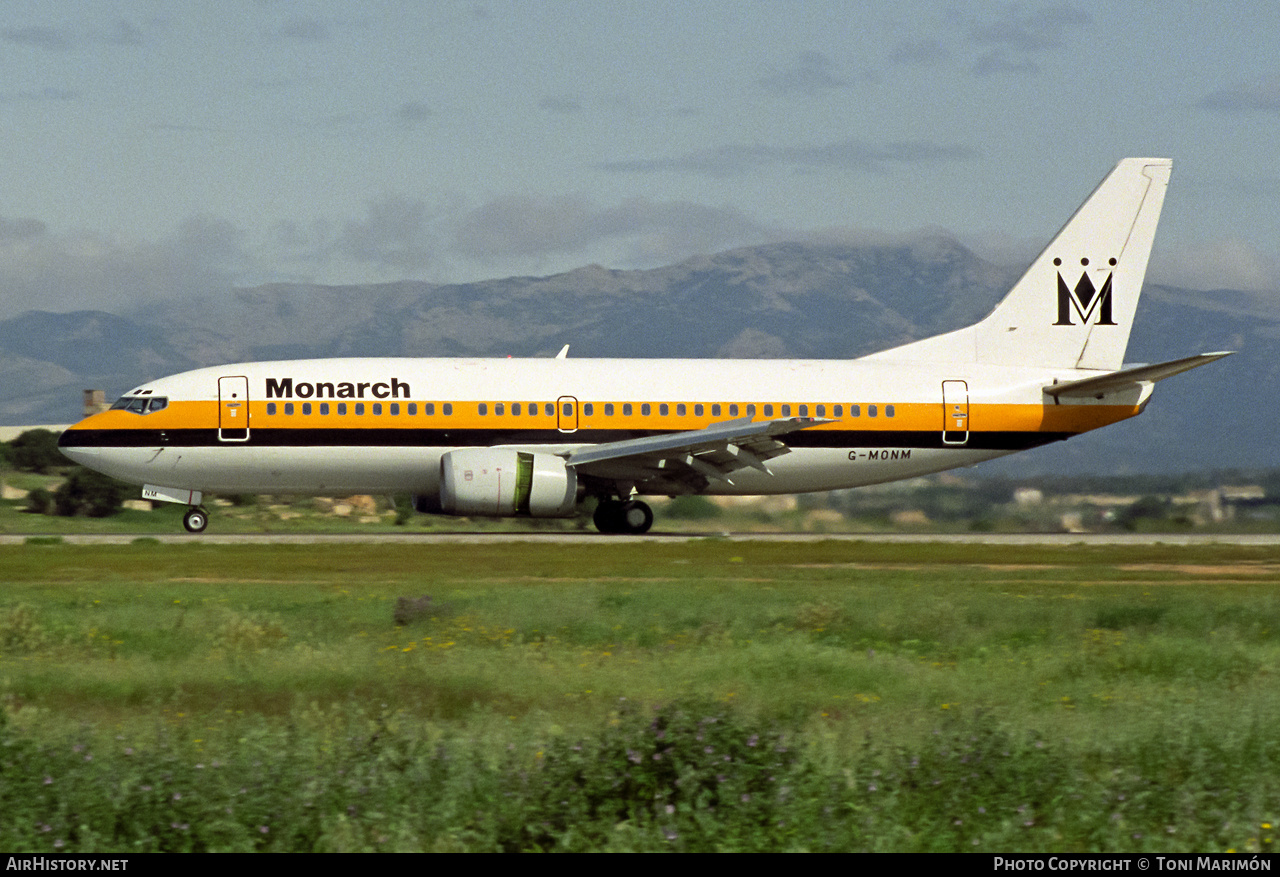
(501,482)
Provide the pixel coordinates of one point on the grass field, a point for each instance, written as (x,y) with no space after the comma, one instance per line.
(704,695)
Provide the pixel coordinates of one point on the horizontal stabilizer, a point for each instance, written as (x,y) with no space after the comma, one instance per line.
(1131,377)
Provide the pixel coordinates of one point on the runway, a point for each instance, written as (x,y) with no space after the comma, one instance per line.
(1010,539)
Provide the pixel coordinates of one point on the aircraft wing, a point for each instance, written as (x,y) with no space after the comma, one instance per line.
(686,462)
(1130,377)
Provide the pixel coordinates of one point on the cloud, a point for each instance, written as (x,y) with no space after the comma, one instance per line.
(413,111)
(48,93)
(1020,30)
(564,106)
(738,159)
(87,270)
(530,227)
(1224,264)
(123,33)
(919,53)
(811,74)
(395,234)
(301,29)
(1255,97)
(998,62)
(1017,33)
(52,38)
(25,228)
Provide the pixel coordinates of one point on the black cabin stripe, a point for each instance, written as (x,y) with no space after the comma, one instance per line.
(443,438)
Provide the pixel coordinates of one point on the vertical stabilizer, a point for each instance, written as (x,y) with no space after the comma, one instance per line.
(1074,307)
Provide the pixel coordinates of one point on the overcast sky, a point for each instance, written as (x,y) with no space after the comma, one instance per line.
(174,148)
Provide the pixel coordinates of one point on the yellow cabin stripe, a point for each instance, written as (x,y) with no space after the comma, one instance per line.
(913,417)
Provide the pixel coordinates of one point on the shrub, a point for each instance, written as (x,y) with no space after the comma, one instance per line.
(40,502)
(692,508)
(36,450)
(89,493)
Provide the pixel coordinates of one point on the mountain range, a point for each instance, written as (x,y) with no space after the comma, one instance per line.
(770,301)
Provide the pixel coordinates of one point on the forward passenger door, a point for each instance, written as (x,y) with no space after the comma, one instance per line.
(233,409)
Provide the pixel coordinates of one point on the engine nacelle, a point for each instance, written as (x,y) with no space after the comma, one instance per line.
(501,482)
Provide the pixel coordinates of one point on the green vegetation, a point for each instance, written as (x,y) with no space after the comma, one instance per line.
(695,696)
(36,450)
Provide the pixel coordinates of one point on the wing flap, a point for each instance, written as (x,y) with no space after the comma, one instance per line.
(689,461)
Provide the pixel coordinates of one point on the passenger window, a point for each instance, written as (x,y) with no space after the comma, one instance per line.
(786,410)
(871,411)
(448,408)
(533,409)
(342,407)
(804,410)
(626,409)
(395,408)
(359,408)
(888,411)
(680,409)
(271,408)
(515,409)
(288,408)
(429,409)
(412,409)
(751,410)
(551,410)
(837,411)
(697,410)
(306,407)
(663,409)
(733,409)
(608,409)
(768,411)
(499,409)
(588,409)
(644,408)
(821,410)
(324,407)
(568,409)
(855,410)
(377,408)
(484,409)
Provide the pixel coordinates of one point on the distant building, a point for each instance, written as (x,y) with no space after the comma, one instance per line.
(95,401)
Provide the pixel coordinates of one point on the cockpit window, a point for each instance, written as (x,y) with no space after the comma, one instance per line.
(141,404)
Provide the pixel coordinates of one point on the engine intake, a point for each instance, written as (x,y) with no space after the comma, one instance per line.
(500,482)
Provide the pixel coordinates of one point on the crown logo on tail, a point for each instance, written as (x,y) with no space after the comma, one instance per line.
(1084,300)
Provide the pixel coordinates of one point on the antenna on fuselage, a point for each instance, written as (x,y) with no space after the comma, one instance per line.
(564,352)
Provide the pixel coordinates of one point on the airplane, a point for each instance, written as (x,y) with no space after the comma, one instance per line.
(536,437)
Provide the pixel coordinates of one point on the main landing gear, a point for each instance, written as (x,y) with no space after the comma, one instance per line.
(196,519)
(633,517)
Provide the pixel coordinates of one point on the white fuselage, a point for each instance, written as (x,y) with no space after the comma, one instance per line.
(327,426)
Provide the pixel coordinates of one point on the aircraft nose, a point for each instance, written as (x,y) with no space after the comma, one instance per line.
(72,445)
